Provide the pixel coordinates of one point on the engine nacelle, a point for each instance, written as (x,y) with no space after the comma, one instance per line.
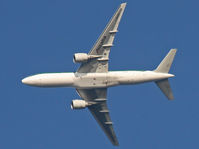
(80,57)
(79,104)
(83,57)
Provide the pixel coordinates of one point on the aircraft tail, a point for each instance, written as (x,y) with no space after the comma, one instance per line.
(165,88)
(164,67)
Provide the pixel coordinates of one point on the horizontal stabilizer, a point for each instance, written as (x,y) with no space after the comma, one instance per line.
(165,65)
(165,88)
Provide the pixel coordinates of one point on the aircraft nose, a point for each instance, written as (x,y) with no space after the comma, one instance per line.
(32,80)
(26,80)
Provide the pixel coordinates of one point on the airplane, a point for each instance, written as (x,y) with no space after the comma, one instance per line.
(92,79)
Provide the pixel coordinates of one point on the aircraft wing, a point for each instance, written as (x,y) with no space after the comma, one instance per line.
(103,45)
(100,110)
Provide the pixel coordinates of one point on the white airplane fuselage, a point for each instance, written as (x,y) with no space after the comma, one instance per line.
(94,80)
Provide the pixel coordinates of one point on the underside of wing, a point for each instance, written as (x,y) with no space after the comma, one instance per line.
(100,110)
(103,45)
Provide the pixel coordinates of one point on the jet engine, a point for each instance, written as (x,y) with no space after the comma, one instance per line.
(83,57)
(79,104)
(80,57)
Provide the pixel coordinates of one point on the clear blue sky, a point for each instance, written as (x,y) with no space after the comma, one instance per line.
(42,36)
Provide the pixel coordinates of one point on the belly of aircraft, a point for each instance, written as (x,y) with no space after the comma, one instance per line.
(92,80)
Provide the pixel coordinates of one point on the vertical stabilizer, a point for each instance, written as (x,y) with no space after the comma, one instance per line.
(165,65)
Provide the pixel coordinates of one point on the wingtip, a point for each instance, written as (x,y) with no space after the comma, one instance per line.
(174,49)
(123,4)
(116,144)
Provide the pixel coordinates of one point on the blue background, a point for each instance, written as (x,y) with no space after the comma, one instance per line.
(42,36)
